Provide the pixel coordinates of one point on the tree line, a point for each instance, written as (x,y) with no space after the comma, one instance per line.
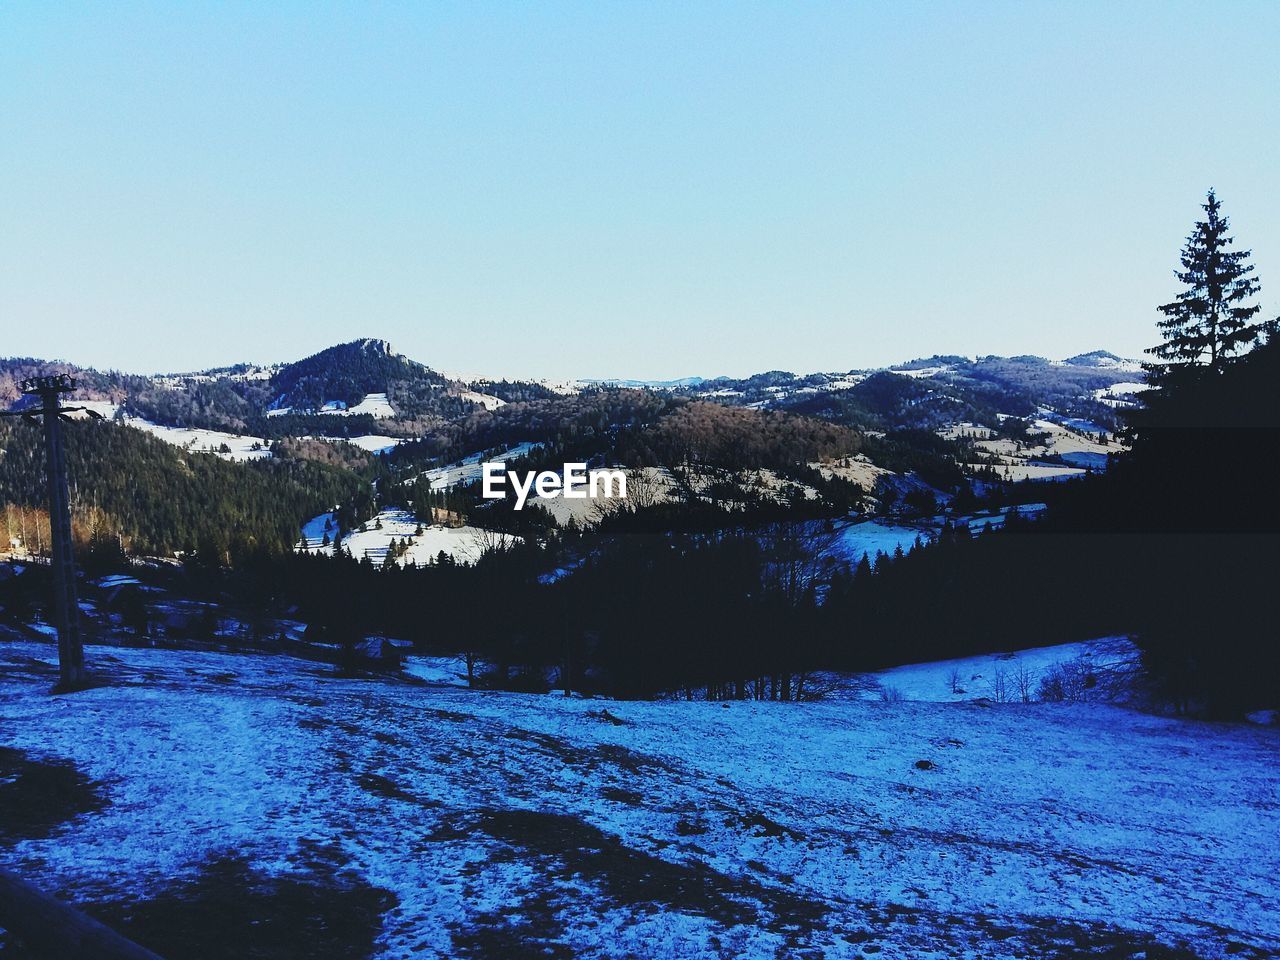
(158,501)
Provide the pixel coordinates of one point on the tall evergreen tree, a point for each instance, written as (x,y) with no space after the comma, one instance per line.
(1210,321)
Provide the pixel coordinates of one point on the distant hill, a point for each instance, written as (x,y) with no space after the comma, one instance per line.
(367,387)
(652,384)
(347,387)
(932,391)
(912,430)
(343,375)
(1104,360)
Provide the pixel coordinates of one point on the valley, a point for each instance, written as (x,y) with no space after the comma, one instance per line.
(906,440)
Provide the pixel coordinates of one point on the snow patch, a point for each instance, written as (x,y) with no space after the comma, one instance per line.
(229,446)
(484,399)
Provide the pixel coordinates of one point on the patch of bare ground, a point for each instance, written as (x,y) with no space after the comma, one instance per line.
(231,911)
(568,852)
(37,794)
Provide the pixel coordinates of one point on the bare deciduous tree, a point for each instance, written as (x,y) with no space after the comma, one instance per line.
(1023,680)
(999,684)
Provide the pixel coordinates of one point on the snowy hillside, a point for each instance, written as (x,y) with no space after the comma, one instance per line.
(869,538)
(422,542)
(1105,669)
(229,446)
(470,469)
(431,821)
(483,399)
(374,404)
(1067,448)
(374,443)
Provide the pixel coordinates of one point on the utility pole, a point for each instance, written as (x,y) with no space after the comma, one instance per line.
(66,609)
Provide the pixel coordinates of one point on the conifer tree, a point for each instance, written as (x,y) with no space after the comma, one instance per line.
(1210,322)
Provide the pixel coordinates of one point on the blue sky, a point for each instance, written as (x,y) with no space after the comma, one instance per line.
(641,190)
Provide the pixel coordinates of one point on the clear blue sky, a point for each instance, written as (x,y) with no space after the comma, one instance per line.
(631,189)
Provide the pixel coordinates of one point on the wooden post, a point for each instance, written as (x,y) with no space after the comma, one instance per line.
(57,929)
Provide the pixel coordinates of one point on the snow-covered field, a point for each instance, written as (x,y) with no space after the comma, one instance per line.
(369,443)
(922,373)
(314,531)
(463,544)
(469,469)
(1015,472)
(965,429)
(1006,677)
(857,469)
(103,408)
(980,523)
(229,446)
(506,825)
(1087,446)
(1127,389)
(485,400)
(727,487)
(871,537)
(374,404)
(646,486)
(374,443)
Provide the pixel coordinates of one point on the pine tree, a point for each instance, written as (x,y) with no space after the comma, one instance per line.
(1209,322)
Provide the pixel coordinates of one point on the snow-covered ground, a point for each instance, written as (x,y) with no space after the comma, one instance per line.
(857,469)
(871,537)
(1126,389)
(485,400)
(314,532)
(508,825)
(374,404)
(469,469)
(563,387)
(922,373)
(1007,677)
(103,408)
(846,381)
(370,442)
(1087,446)
(237,447)
(1086,425)
(463,544)
(1118,363)
(374,443)
(980,523)
(437,670)
(727,487)
(965,429)
(1015,472)
(646,486)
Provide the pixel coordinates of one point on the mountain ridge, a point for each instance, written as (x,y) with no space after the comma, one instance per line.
(366,385)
